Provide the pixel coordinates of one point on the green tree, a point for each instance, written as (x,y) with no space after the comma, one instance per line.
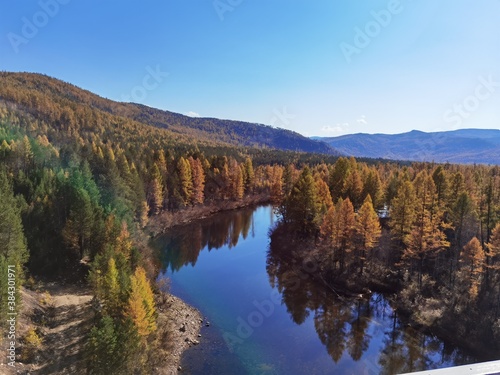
(301,209)
(13,250)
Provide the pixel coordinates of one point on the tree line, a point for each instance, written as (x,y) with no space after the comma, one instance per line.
(430,232)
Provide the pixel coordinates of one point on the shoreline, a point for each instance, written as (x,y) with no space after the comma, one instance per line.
(168,219)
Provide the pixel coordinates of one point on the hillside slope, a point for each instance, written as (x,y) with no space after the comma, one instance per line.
(35,92)
(460,146)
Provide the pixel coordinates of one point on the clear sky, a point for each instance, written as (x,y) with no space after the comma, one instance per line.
(314,66)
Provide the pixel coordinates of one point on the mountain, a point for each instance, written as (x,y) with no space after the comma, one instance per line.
(21,88)
(464,146)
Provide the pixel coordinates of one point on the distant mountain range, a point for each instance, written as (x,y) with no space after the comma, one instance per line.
(16,88)
(464,146)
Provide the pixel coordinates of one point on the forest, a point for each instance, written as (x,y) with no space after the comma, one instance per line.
(79,186)
(429,234)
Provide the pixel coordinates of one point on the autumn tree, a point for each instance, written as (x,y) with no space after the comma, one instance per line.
(472,260)
(185,180)
(323,195)
(344,225)
(338,177)
(141,306)
(198,176)
(426,238)
(276,188)
(402,211)
(155,191)
(367,229)
(493,249)
(249,176)
(353,188)
(300,209)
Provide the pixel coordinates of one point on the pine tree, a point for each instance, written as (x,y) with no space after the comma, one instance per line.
(141,305)
(301,207)
(338,178)
(493,249)
(472,260)
(123,242)
(327,225)
(426,238)
(249,176)
(353,188)
(155,191)
(13,249)
(77,231)
(367,228)
(323,195)
(343,229)
(276,190)
(111,291)
(402,211)
(198,175)
(143,214)
(185,180)
(288,180)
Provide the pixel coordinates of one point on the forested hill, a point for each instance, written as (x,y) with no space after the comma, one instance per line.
(465,146)
(38,93)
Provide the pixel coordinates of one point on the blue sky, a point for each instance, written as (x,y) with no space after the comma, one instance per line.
(317,67)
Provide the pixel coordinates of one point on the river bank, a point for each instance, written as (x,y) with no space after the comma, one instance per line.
(168,219)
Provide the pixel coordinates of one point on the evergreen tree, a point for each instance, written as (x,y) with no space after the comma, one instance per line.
(301,209)
(13,250)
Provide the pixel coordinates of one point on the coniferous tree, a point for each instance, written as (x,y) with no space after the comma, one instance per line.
(301,207)
(367,229)
(472,261)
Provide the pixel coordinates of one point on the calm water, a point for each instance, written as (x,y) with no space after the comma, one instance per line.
(266,317)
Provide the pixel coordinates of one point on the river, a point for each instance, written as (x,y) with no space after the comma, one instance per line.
(266,317)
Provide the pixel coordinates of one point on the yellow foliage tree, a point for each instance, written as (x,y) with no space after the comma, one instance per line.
(141,305)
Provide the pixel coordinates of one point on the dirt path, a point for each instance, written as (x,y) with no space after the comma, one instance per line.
(70,319)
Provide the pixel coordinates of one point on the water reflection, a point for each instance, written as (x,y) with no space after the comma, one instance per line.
(346,326)
(341,334)
(182,245)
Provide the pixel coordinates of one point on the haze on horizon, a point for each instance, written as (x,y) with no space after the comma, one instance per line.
(320,68)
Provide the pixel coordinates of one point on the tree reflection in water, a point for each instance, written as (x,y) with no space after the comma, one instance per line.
(182,245)
(346,325)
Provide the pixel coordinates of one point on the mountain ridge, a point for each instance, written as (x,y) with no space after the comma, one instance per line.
(463,146)
(213,130)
